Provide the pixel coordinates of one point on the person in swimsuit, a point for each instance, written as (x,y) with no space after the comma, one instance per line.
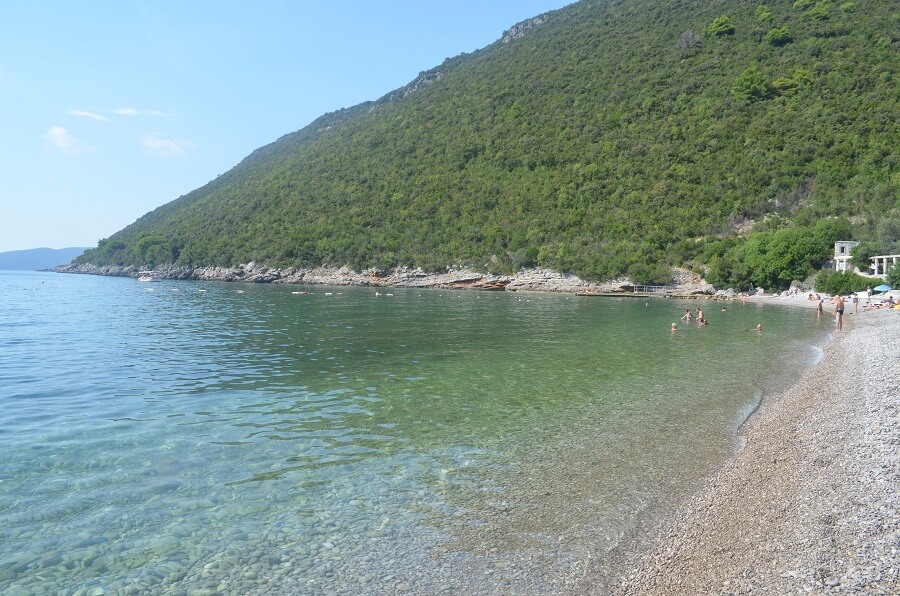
(700,319)
(838,313)
(687,316)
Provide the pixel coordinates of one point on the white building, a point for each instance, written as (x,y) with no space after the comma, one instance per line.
(842,250)
(883,263)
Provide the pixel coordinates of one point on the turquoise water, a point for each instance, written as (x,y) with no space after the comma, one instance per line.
(175,436)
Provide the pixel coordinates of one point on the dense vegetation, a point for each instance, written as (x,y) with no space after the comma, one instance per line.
(614,137)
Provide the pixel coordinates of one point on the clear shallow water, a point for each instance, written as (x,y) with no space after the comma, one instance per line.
(177,435)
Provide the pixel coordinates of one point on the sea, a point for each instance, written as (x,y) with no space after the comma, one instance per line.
(201,437)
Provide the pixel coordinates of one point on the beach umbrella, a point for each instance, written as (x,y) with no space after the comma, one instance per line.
(882,288)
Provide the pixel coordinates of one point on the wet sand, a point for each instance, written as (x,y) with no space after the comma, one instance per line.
(810,503)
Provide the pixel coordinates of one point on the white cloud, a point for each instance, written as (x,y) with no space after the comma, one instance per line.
(59,140)
(163,147)
(90,115)
(134,112)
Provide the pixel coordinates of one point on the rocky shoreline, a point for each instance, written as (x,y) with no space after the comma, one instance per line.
(810,504)
(686,283)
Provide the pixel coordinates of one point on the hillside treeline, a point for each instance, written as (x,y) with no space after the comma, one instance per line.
(611,138)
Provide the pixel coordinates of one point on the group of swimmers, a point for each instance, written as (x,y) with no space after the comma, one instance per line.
(701,319)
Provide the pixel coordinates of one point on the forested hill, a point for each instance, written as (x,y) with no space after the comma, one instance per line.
(606,138)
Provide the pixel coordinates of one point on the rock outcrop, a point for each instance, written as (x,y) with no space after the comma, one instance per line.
(527,280)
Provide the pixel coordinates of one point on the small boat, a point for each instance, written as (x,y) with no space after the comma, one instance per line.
(147,276)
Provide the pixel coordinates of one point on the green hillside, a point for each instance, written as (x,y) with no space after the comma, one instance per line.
(606,138)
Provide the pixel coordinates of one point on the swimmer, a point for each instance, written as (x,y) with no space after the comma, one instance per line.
(674,327)
(687,316)
(724,309)
(759,327)
(700,318)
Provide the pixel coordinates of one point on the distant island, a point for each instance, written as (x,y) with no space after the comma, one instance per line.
(35,259)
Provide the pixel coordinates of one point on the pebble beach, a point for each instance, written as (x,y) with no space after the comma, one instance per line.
(810,502)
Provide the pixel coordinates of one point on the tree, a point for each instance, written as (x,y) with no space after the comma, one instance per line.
(763,13)
(778,37)
(862,253)
(688,40)
(820,11)
(893,277)
(751,85)
(720,26)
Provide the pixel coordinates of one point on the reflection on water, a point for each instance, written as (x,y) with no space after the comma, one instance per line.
(196,437)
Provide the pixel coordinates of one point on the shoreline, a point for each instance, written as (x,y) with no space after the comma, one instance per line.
(688,285)
(808,503)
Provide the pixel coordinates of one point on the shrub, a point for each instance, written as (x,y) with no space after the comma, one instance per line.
(778,37)
(785,86)
(821,11)
(649,273)
(720,26)
(763,13)
(751,85)
(893,277)
(840,282)
(848,7)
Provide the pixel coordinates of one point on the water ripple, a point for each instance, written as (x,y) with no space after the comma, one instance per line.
(164,438)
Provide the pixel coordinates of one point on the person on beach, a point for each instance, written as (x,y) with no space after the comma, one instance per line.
(838,312)
(869,293)
(819,308)
(687,316)
(855,301)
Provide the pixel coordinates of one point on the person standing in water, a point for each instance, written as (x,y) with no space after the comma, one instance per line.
(838,312)
(687,316)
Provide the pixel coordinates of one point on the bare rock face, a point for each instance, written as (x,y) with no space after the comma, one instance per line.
(519,30)
(689,283)
(546,280)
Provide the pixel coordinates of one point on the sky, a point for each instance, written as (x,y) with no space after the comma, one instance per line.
(111,109)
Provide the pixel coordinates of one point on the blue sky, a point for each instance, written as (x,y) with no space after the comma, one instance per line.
(111,109)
